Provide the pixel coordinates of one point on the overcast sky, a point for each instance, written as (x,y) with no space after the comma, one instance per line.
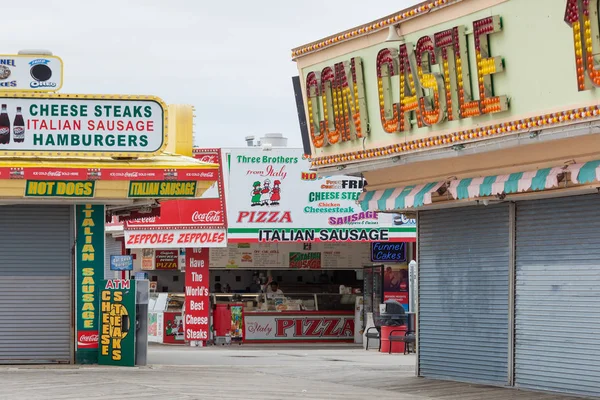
(230,59)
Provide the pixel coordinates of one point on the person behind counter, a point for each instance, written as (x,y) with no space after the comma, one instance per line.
(273,289)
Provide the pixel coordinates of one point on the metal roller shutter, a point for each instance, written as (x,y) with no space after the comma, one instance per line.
(35,284)
(557,315)
(113,248)
(463,294)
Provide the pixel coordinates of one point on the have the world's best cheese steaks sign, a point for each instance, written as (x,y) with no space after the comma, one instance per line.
(117,323)
(197,302)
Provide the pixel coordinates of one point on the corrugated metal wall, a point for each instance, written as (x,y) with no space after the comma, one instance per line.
(557,317)
(35,284)
(463,294)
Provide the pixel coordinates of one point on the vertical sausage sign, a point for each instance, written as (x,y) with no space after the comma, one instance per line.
(90,269)
(196,294)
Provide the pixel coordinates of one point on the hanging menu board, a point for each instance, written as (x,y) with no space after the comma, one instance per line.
(277,255)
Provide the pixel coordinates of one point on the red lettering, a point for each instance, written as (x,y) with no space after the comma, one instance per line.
(273,217)
(130,240)
(312,326)
(299,330)
(287,217)
(243,214)
(282,326)
(330,325)
(348,328)
(262,216)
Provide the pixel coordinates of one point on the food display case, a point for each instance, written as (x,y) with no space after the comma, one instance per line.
(165,318)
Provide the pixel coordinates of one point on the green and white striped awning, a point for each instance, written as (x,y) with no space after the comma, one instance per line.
(415,196)
(471,188)
(399,198)
(585,173)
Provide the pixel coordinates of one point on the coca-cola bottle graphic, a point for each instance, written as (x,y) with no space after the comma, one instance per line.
(4,126)
(19,127)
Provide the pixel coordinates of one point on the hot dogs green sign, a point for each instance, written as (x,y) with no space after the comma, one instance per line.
(80,125)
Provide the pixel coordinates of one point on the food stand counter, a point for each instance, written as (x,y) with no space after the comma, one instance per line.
(165,318)
(293,317)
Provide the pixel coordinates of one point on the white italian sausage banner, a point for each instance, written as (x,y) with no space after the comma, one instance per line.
(273,196)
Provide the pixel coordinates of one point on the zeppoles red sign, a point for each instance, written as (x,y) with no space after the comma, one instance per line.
(175,238)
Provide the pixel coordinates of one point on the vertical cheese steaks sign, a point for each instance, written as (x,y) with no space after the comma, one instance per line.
(196,294)
(81,125)
(117,332)
(89,250)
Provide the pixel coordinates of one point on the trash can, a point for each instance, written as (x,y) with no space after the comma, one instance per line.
(397,347)
(392,320)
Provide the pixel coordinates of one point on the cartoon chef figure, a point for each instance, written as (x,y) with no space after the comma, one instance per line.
(276,193)
(265,192)
(256,193)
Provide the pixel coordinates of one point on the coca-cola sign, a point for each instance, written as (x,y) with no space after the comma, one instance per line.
(207,155)
(87,340)
(183,213)
(208,158)
(212,217)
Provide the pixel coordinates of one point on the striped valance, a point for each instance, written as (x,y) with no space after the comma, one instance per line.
(399,198)
(470,188)
(415,196)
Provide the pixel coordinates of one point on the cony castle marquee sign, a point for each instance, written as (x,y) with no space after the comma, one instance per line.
(452,85)
(338,92)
